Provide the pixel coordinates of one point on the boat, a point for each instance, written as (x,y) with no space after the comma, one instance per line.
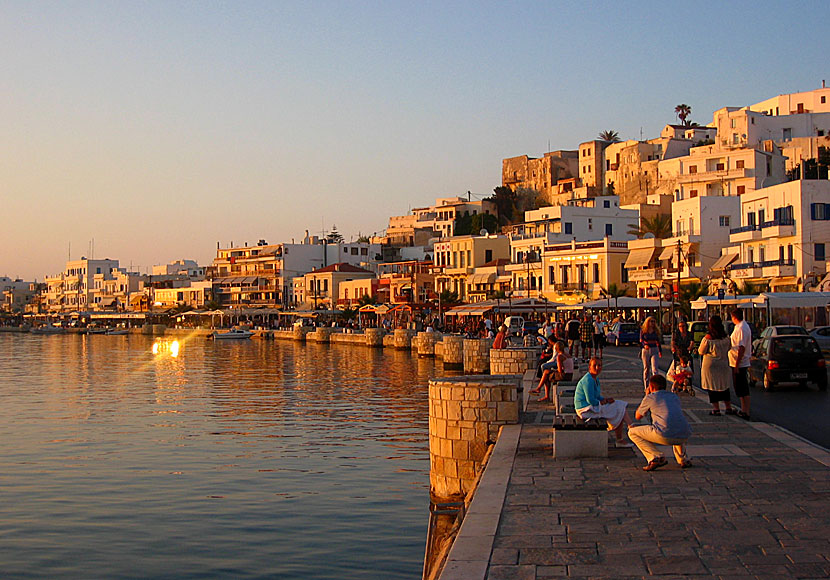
(96,330)
(232,334)
(118,331)
(48,328)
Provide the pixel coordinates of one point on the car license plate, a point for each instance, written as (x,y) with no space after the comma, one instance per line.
(798,376)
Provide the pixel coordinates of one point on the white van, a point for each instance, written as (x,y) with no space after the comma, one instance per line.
(514,324)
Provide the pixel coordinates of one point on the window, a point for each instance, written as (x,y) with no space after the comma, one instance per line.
(735,139)
(606,204)
(820,133)
(590,224)
(739,164)
(596,273)
(823,100)
(741,189)
(693,193)
(820,211)
(818,254)
(623,274)
(790,252)
(750,219)
(691,226)
(364,251)
(733,123)
(761,216)
(609,229)
(488,256)
(354,251)
(569,228)
(788,134)
(723,221)
(551,279)
(692,168)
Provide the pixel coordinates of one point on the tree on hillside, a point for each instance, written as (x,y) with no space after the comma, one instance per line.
(504,199)
(682,111)
(467,224)
(609,136)
(334,237)
(659,226)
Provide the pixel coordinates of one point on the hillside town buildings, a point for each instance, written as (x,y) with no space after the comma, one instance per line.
(728,200)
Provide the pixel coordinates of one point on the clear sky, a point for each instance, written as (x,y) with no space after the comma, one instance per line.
(161,128)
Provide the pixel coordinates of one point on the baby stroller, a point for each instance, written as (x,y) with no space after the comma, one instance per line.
(680,373)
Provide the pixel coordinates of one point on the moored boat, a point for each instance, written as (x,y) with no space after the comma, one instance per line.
(232,334)
(48,328)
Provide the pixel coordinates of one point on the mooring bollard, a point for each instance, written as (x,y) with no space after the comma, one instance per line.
(477,355)
(465,414)
(511,361)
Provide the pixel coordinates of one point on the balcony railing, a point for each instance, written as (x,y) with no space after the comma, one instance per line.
(742,229)
(571,287)
(745,266)
(778,222)
(768,263)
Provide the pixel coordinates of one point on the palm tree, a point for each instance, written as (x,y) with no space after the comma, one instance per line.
(609,136)
(689,292)
(682,111)
(614,291)
(659,226)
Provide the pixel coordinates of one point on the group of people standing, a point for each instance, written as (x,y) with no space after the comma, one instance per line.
(725,358)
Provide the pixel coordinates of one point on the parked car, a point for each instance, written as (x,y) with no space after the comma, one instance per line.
(621,333)
(530,327)
(698,329)
(822,336)
(778,330)
(788,358)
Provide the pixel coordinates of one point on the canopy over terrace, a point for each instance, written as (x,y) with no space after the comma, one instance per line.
(631,307)
(506,307)
(807,309)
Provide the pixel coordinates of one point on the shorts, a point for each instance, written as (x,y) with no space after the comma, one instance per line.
(599,341)
(740,381)
(572,342)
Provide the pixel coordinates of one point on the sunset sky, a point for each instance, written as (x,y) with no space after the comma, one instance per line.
(161,128)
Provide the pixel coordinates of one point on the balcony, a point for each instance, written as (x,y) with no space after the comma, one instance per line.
(778,228)
(777,268)
(745,270)
(572,287)
(714,175)
(746,233)
(646,275)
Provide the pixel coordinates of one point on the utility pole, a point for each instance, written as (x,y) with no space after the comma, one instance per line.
(677,295)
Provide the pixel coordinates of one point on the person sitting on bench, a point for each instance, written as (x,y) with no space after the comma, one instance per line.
(590,404)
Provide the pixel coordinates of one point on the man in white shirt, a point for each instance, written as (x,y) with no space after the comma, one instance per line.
(739,354)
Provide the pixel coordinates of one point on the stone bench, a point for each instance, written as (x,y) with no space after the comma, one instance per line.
(573,437)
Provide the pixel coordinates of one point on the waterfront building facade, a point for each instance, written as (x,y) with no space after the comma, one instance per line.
(436,221)
(458,256)
(781,238)
(580,271)
(74,288)
(16,294)
(700,228)
(321,286)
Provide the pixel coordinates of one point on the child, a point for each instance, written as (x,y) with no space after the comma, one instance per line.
(681,374)
(668,426)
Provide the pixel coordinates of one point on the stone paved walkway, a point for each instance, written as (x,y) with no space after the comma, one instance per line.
(756,504)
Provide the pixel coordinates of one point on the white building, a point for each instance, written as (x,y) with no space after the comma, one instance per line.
(74,288)
(782,237)
(700,228)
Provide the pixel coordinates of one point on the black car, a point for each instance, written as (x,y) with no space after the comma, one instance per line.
(789,358)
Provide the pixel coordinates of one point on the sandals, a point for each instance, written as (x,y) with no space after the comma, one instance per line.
(731,411)
(655,463)
(742,415)
(714,413)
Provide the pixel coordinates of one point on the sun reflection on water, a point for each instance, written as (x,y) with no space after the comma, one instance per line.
(164,347)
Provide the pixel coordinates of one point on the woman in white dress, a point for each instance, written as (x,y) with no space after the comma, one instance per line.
(715,374)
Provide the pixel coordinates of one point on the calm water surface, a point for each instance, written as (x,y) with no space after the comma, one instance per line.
(237,459)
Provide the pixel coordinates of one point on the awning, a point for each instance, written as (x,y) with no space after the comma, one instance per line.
(724,261)
(793,299)
(639,258)
(107,301)
(481,278)
(784,281)
(668,253)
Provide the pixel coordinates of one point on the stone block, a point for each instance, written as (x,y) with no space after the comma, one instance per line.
(453,410)
(469,414)
(468,434)
(466,470)
(508,412)
(570,443)
(461,450)
(453,432)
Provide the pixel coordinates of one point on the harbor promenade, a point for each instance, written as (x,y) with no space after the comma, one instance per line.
(754,505)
